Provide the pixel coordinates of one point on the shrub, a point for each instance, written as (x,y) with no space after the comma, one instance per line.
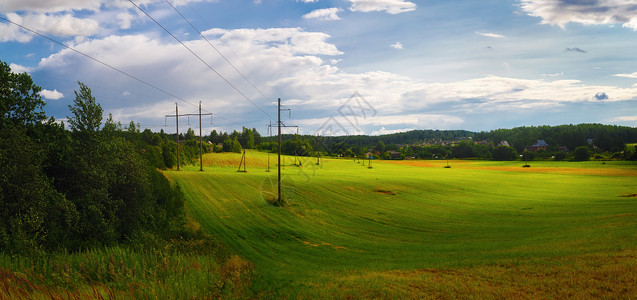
(581,153)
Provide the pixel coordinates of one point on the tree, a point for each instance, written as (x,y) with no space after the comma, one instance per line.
(214,137)
(528,155)
(504,153)
(87,113)
(29,204)
(464,149)
(190,135)
(20,100)
(236,146)
(227,144)
(581,153)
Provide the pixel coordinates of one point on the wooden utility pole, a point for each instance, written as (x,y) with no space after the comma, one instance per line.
(279,126)
(200,142)
(176,116)
(177,119)
(243,162)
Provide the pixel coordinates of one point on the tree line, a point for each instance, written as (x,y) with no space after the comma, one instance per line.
(608,141)
(93,184)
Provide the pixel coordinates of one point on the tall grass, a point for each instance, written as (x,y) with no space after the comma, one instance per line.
(120,272)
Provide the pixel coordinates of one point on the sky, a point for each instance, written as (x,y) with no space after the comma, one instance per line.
(338,66)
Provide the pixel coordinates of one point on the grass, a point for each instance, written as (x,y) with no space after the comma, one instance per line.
(123,273)
(403,229)
(413,228)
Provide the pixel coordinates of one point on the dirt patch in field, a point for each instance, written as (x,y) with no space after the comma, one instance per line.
(384,191)
(459,164)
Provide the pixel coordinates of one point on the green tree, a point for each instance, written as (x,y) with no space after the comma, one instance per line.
(581,153)
(227,144)
(236,146)
(504,153)
(529,155)
(32,213)
(190,135)
(20,100)
(87,113)
(464,149)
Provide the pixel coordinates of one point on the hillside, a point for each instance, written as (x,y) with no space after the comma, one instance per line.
(415,229)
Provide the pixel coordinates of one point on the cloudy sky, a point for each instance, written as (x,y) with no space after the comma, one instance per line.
(340,66)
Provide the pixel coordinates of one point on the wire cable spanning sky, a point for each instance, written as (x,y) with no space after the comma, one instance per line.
(433,64)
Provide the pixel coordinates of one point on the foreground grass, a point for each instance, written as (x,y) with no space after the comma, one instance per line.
(120,272)
(391,230)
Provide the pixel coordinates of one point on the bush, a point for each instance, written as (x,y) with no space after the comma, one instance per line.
(504,153)
(560,156)
(581,153)
(529,156)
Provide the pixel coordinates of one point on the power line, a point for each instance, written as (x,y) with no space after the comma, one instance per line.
(96,60)
(213,46)
(228,47)
(198,57)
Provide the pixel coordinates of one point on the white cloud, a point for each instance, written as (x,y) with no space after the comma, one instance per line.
(17,69)
(593,12)
(390,6)
(10,32)
(51,5)
(59,25)
(307,1)
(51,95)
(491,35)
(289,63)
(291,40)
(383,131)
(125,20)
(631,75)
(54,6)
(626,119)
(328,14)
(397,45)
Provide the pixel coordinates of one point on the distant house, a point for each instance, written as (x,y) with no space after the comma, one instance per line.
(562,149)
(504,143)
(540,145)
(394,154)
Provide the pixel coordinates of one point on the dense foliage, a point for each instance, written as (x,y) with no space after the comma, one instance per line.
(64,190)
(607,141)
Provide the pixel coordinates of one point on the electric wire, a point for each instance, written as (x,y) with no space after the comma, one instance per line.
(97,60)
(217,50)
(198,57)
(228,47)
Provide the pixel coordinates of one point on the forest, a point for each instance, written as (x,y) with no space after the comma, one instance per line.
(93,184)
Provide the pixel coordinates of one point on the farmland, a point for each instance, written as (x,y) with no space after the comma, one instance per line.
(414,228)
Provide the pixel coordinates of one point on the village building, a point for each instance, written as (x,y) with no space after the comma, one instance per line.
(540,145)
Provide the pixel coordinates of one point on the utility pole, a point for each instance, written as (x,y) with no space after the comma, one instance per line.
(279,125)
(177,121)
(176,116)
(200,142)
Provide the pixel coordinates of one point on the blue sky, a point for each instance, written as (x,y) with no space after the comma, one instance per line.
(341,66)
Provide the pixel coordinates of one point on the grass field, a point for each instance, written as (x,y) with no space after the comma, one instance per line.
(416,229)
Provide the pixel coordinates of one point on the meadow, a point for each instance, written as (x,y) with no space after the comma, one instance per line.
(413,229)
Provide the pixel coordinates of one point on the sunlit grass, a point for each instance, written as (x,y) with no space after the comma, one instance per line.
(345,222)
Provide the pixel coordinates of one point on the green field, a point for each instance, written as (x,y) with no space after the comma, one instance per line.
(416,229)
